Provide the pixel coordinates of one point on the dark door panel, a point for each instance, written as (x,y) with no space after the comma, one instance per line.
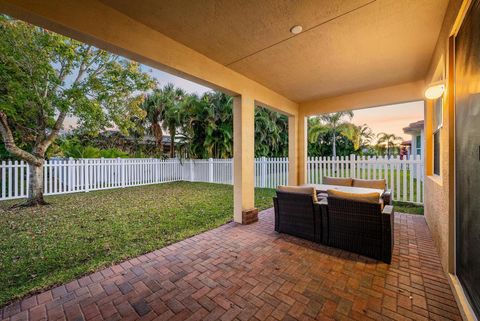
(467,148)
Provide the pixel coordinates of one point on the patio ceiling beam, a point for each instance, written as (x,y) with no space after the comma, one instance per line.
(402,93)
(93,22)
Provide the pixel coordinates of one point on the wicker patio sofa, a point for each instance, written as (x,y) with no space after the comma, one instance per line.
(362,226)
(298,213)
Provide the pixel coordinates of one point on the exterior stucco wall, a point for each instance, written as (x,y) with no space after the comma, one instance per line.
(439,193)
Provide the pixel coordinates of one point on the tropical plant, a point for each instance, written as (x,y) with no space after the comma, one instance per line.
(45,78)
(335,122)
(389,141)
(173,114)
(360,136)
(209,125)
(271,133)
(163,110)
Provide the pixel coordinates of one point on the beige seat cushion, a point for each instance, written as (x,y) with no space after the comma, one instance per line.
(370,183)
(372,198)
(337,181)
(308,190)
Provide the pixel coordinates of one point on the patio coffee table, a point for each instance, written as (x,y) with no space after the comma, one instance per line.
(322,188)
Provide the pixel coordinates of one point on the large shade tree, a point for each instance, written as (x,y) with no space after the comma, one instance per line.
(45,78)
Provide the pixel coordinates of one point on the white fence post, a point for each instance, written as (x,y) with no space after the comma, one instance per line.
(121,163)
(210,170)
(86,174)
(263,172)
(353,159)
(192,171)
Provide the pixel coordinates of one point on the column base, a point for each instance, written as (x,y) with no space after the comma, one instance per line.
(249,216)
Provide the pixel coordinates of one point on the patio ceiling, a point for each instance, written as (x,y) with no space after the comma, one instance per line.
(346,46)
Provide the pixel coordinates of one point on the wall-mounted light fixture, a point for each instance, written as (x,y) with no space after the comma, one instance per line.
(435,90)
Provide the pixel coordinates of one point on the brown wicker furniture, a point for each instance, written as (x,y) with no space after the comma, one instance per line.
(298,214)
(359,227)
(354,186)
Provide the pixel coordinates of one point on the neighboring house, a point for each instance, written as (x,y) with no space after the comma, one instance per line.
(417,143)
(405,149)
(130,144)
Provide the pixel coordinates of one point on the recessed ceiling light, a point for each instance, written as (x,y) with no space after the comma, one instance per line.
(296,29)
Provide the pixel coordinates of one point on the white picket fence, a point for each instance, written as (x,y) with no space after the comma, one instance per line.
(61,176)
(404,177)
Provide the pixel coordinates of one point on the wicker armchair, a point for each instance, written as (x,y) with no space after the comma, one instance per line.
(298,215)
(359,227)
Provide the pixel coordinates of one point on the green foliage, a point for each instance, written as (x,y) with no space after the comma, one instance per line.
(82,232)
(389,143)
(271,133)
(163,106)
(73,148)
(207,130)
(45,77)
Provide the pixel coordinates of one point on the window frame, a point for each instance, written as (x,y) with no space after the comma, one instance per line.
(437,126)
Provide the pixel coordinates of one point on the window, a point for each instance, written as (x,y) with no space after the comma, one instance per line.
(436,153)
(418,145)
(437,125)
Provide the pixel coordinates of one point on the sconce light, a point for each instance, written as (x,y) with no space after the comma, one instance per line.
(435,90)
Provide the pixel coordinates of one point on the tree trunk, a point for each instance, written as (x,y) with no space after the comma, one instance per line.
(334,145)
(157,132)
(35,190)
(172,144)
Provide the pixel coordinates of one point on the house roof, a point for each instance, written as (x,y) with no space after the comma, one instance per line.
(414,128)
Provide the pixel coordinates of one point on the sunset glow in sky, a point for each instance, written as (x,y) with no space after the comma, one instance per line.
(390,119)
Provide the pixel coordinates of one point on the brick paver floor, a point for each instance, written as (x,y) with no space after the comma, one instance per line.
(252,273)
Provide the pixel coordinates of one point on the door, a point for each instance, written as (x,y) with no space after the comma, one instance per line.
(467,148)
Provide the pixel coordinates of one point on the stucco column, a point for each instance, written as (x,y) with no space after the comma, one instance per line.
(302,149)
(292,150)
(244,158)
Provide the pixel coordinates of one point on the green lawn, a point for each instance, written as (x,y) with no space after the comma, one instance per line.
(80,233)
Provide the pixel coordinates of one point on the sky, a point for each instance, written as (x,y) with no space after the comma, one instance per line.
(164,78)
(390,119)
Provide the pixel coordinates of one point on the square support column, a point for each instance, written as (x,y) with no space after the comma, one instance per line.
(302,149)
(292,150)
(244,160)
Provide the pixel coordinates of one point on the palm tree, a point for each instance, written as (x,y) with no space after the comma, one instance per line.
(271,133)
(208,126)
(360,136)
(315,129)
(389,140)
(156,106)
(335,122)
(173,113)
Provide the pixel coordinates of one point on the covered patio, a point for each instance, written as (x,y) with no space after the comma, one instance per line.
(347,55)
(238,272)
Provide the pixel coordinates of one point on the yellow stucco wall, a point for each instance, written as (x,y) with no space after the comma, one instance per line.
(439,190)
